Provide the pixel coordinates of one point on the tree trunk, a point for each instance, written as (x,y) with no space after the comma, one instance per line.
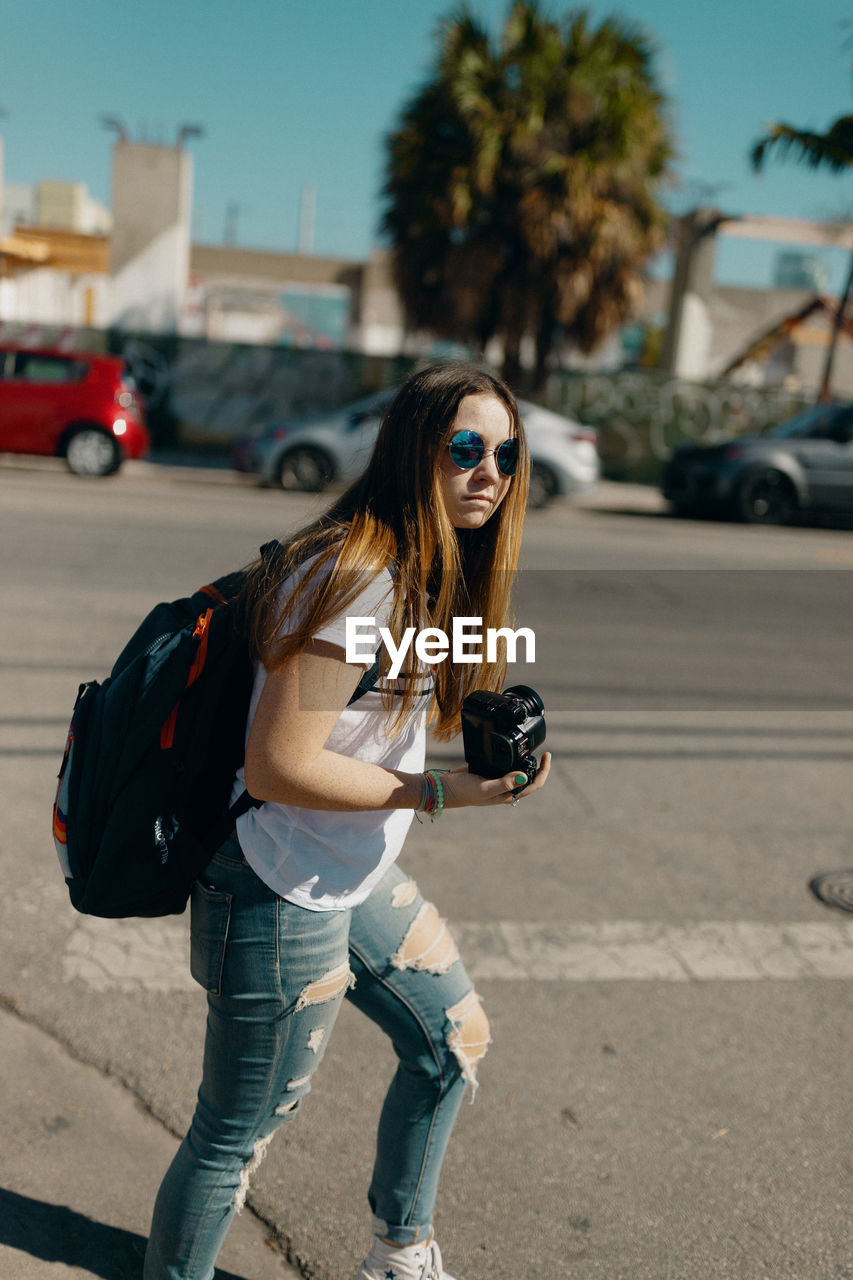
(511,370)
(825,392)
(544,345)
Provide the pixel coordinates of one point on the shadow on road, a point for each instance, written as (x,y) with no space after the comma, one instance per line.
(55,1233)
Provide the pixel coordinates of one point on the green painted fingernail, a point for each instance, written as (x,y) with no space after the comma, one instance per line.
(520,778)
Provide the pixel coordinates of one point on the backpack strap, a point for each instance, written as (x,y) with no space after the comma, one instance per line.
(366,683)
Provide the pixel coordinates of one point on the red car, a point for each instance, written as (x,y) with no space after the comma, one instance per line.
(80,407)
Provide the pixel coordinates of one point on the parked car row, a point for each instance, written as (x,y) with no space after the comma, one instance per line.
(80,407)
(310,453)
(802,467)
(85,408)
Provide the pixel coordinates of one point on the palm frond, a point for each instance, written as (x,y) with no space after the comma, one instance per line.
(832,150)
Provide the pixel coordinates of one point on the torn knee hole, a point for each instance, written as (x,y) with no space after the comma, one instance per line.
(428,945)
(404,894)
(316,1038)
(300,1086)
(297,1084)
(469,1036)
(249,1168)
(331,985)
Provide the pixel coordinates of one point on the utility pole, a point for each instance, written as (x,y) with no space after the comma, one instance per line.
(232,213)
(691,286)
(307,211)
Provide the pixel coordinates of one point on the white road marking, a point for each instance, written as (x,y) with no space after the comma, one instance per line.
(628,950)
(153,955)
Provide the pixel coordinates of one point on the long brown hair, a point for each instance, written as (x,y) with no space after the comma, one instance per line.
(393,517)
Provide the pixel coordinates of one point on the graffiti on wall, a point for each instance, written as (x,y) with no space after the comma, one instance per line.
(207,393)
(204,393)
(641,415)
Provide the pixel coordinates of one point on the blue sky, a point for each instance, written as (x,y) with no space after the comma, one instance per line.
(292,93)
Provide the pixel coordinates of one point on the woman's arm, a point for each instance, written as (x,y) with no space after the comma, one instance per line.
(287,761)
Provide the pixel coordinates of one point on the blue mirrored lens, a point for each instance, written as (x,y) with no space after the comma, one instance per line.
(507,457)
(466,449)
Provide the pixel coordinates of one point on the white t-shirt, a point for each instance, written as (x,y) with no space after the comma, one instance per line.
(330,860)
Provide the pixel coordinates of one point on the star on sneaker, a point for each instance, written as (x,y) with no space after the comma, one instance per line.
(398,1262)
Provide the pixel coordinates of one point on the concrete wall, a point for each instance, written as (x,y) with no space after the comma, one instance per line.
(242,295)
(150,248)
(68,206)
(641,415)
(736,316)
(48,297)
(202,395)
(380,317)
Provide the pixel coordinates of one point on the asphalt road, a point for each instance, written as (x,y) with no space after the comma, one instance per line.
(668,1093)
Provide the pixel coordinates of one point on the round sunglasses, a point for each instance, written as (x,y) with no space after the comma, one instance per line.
(468,449)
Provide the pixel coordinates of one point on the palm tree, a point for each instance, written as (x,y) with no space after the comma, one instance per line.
(520,187)
(832,150)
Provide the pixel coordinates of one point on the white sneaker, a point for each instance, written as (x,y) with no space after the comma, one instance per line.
(394,1262)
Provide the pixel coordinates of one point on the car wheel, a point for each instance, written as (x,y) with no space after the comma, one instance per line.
(305,468)
(767,497)
(91,452)
(543,485)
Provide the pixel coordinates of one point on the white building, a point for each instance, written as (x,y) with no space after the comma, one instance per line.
(66,260)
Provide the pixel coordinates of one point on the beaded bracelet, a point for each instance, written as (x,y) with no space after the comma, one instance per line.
(432,795)
(438,808)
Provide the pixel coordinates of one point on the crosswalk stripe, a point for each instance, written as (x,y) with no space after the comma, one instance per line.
(152,955)
(625,950)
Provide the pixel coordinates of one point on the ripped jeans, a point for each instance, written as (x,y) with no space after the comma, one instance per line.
(276,975)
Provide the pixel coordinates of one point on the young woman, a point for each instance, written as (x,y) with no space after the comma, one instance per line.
(304,904)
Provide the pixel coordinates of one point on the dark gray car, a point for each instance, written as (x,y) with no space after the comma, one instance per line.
(804,465)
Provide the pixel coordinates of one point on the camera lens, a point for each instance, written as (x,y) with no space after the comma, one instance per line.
(529,699)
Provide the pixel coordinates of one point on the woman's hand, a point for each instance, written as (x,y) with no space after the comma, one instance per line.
(287,761)
(462,788)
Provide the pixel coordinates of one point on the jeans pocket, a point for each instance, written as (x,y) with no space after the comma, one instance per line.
(210,916)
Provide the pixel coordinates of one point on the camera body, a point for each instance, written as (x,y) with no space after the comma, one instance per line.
(501,730)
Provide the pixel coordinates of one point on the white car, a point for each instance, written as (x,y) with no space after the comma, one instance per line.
(311,453)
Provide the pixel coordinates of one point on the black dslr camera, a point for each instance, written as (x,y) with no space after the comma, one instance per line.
(500,731)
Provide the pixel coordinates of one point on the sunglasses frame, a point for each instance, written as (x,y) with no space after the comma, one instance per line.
(485,453)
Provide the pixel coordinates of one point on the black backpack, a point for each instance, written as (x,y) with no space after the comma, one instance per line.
(144,792)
